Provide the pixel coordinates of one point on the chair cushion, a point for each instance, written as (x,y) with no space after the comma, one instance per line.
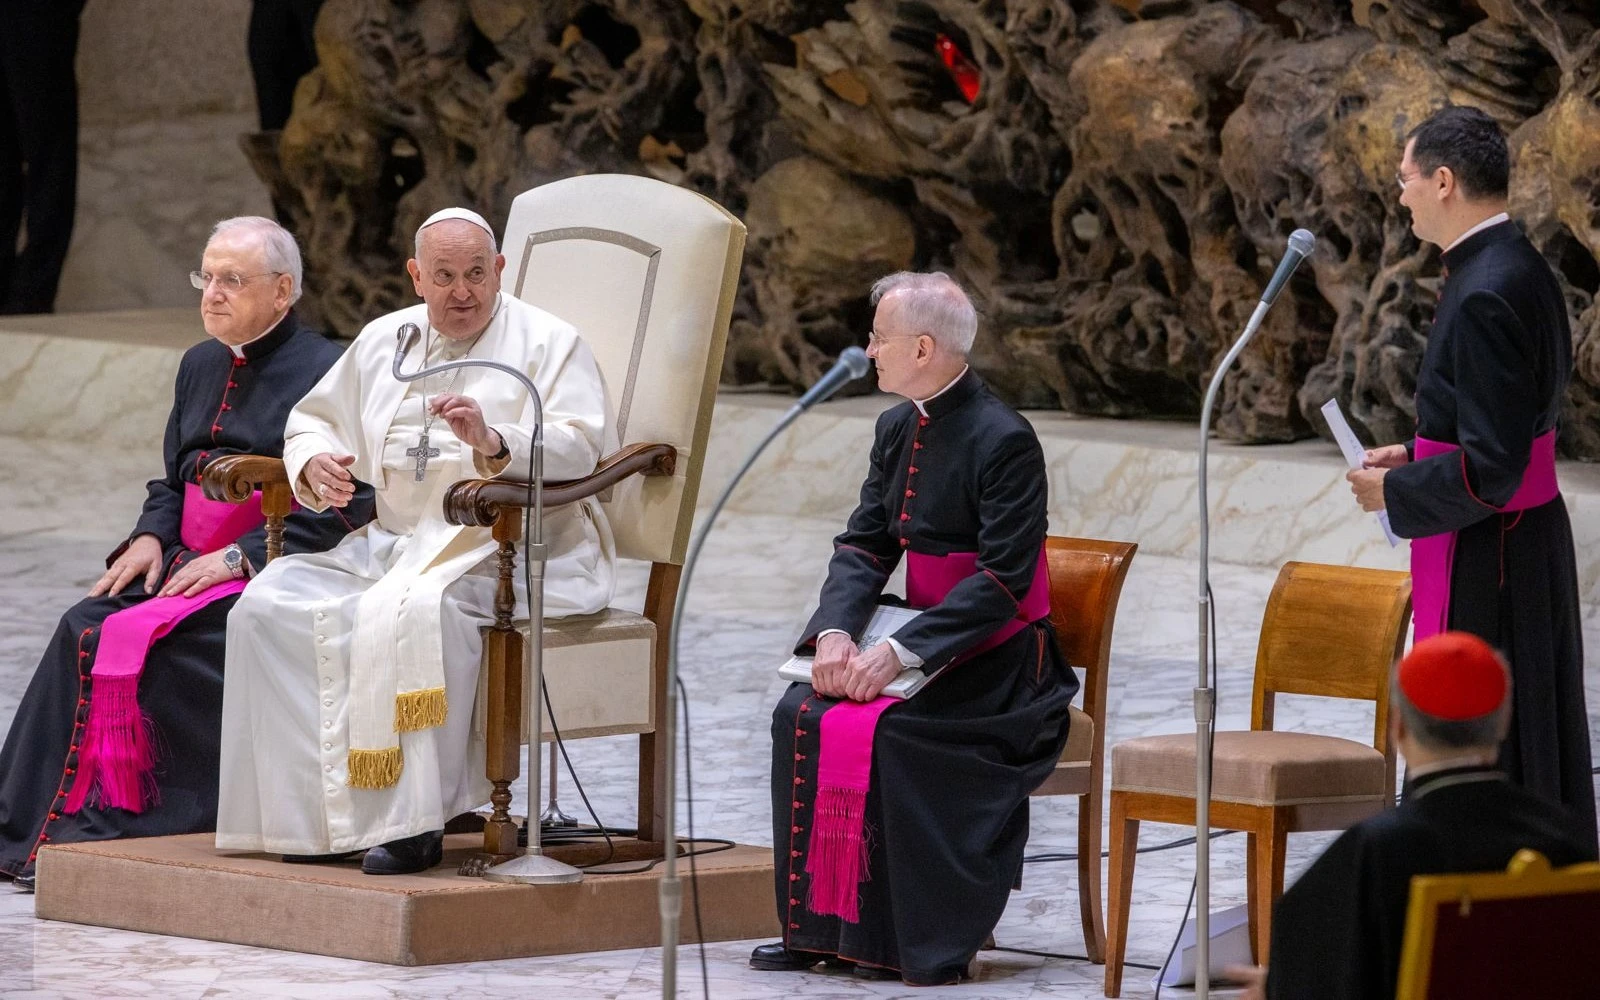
(1253,768)
(600,671)
(1080,738)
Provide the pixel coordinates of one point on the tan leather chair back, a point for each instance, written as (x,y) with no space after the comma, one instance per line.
(647,272)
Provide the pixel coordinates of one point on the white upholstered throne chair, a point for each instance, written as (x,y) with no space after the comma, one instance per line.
(647,272)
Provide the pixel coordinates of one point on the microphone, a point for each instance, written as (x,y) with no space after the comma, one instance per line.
(1301,243)
(852,364)
(406,337)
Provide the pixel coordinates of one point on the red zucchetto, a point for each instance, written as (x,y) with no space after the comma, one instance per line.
(1453,676)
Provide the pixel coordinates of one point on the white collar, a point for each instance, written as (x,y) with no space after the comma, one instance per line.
(1493,220)
(920,403)
(238,349)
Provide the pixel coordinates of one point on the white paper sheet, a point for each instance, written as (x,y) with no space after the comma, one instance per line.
(1354,453)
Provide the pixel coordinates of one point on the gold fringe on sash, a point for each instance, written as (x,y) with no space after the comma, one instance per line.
(374,768)
(416,710)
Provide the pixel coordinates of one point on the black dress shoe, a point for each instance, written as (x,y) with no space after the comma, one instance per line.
(407,856)
(25,883)
(874,973)
(319,859)
(775,957)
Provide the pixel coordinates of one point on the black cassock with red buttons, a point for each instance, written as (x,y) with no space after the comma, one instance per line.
(947,810)
(223,405)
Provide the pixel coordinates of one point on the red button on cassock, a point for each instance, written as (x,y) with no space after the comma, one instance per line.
(905,517)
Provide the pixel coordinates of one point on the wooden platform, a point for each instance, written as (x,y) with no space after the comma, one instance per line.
(185,887)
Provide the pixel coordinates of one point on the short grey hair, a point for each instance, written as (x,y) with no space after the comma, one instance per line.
(1482,732)
(934,304)
(279,250)
(416,250)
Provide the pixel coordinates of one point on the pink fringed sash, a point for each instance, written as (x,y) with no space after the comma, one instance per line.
(116,759)
(1433,557)
(837,856)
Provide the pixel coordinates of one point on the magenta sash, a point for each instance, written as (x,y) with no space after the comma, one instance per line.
(116,759)
(838,848)
(1433,557)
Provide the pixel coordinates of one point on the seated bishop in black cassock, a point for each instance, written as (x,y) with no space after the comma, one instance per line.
(1337,932)
(118,733)
(899,826)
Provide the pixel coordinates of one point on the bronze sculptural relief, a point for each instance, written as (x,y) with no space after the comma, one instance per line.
(1113,179)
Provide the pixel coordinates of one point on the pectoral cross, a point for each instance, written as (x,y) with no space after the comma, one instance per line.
(422,453)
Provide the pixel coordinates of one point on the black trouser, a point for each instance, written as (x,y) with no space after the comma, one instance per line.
(282,50)
(38,147)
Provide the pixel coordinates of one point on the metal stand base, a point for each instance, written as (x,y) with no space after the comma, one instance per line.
(534,869)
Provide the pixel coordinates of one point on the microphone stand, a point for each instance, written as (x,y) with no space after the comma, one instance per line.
(1205,697)
(671,892)
(534,867)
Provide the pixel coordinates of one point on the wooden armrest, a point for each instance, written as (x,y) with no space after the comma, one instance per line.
(233,478)
(475,503)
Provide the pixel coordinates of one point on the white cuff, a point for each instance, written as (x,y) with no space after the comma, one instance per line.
(908,659)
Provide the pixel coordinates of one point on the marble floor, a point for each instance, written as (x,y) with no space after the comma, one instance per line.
(740,616)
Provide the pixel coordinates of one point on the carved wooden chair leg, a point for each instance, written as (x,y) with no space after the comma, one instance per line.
(503,660)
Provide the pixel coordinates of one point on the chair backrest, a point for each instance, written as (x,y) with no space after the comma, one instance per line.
(1512,934)
(1086,577)
(1334,631)
(647,272)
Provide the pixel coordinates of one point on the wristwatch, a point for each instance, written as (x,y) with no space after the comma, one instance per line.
(505,448)
(233,558)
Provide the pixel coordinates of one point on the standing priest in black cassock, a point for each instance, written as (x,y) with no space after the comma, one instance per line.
(1337,932)
(118,733)
(899,826)
(1476,492)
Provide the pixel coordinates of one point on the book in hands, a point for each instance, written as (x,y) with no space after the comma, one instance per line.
(886,621)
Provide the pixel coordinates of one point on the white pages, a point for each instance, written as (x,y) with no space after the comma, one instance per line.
(1354,453)
(886,621)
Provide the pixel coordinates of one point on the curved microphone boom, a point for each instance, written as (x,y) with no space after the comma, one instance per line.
(406,337)
(1301,243)
(852,364)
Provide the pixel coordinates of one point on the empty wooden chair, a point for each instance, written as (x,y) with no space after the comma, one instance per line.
(1333,631)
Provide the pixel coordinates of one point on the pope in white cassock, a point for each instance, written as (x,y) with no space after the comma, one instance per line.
(347,714)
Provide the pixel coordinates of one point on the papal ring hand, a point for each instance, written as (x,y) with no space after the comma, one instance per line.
(322,489)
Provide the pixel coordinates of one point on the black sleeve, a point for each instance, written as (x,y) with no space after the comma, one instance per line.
(163,505)
(1012,520)
(1497,412)
(864,556)
(1318,930)
(308,531)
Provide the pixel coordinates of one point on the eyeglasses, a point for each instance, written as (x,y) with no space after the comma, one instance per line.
(229,283)
(1402,180)
(875,339)
(474,276)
